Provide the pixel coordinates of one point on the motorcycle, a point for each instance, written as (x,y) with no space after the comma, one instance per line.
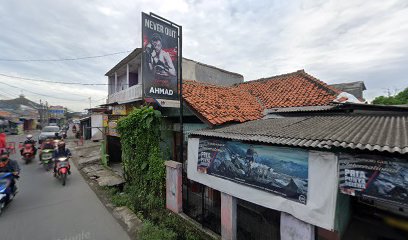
(62,169)
(28,152)
(6,193)
(63,134)
(46,158)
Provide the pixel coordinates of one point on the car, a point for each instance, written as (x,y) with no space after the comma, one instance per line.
(48,132)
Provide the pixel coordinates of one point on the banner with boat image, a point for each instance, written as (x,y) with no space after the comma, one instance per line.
(279,170)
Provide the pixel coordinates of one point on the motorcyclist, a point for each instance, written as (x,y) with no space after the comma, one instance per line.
(29,140)
(61,152)
(8,165)
(47,144)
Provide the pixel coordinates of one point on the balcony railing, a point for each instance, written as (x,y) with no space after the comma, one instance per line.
(129,94)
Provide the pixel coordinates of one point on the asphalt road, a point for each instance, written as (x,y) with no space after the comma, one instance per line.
(45,210)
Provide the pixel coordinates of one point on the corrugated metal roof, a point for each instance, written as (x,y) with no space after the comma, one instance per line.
(300,109)
(384,133)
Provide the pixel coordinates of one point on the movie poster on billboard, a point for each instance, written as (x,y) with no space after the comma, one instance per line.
(160,58)
(279,170)
(374,176)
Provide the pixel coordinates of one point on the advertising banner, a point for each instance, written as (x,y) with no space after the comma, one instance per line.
(112,124)
(119,109)
(160,58)
(279,170)
(374,176)
(56,112)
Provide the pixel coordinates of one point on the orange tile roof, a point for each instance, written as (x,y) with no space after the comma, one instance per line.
(218,104)
(296,89)
(246,101)
(5,114)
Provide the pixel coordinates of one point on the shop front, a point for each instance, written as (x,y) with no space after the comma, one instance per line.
(267,191)
(378,190)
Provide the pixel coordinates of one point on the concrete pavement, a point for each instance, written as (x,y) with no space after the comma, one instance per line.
(44,209)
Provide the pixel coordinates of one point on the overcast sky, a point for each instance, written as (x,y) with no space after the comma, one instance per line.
(335,41)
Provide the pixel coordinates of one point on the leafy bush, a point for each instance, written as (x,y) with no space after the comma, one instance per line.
(400,98)
(145,173)
(142,159)
(152,232)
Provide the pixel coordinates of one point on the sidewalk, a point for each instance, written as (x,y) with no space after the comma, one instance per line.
(87,158)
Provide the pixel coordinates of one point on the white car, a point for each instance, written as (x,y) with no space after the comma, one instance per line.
(48,132)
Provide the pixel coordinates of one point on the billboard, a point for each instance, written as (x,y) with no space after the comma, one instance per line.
(160,58)
(279,170)
(112,124)
(374,176)
(56,112)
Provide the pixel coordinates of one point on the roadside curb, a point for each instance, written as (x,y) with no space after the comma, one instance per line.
(127,219)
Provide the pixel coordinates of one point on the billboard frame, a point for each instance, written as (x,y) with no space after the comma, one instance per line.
(179,73)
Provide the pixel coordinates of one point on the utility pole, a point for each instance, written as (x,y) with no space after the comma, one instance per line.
(46,113)
(89,102)
(41,114)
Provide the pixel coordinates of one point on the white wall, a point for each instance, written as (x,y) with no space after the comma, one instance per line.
(322,188)
(97,126)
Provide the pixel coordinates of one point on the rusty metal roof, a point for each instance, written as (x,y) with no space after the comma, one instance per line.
(384,133)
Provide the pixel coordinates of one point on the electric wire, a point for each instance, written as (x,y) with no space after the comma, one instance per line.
(48,81)
(73,100)
(63,59)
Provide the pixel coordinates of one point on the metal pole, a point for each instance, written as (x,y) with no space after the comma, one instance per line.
(180,37)
(181,159)
(181,96)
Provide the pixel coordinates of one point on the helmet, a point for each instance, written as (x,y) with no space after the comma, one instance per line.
(61,144)
(4,157)
(29,136)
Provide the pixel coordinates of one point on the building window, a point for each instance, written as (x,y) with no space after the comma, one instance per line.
(133,79)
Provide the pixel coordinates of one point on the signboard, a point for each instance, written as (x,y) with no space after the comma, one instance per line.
(105,121)
(112,128)
(119,109)
(160,58)
(168,103)
(374,176)
(279,170)
(56,112)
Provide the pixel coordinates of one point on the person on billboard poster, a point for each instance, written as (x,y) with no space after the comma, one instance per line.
(159,61)
(250,158)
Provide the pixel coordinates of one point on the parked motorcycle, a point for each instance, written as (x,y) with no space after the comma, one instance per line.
(7,190)
(28,152)
(46,158)
(62,169)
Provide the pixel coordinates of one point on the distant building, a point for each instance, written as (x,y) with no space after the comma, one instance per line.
(125,92)
(23,111)
(354,88)
(56,115)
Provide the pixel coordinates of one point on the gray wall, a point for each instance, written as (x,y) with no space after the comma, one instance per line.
(354,88)
(204,73)
(192,70)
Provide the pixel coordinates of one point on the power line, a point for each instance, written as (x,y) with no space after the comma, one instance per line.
(48,81)
(41,80)
(44,95)
(61,59)
(99,99)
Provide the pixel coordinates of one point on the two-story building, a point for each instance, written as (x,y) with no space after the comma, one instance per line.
(125,92)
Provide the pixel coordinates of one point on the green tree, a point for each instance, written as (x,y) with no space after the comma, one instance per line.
(399,99)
